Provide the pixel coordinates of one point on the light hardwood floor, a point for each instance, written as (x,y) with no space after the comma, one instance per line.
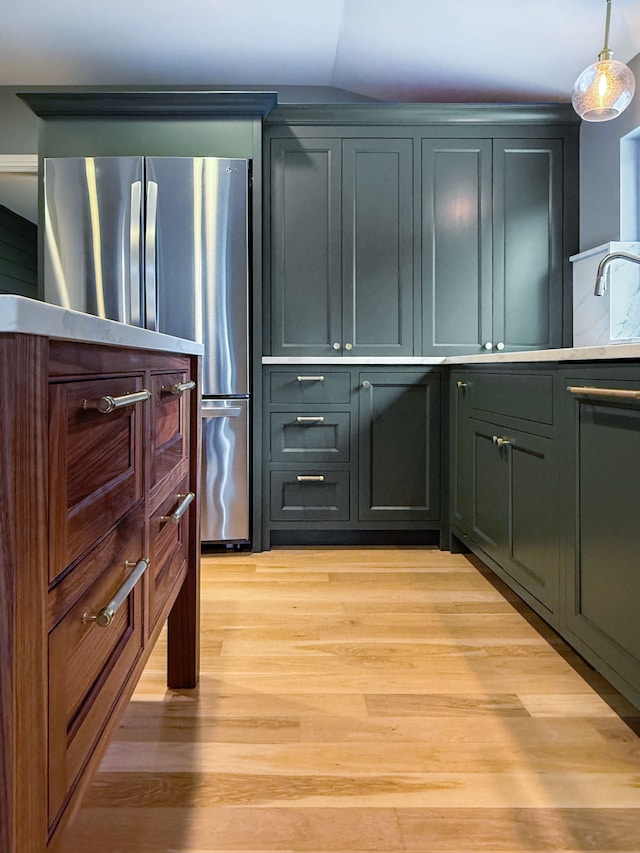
(368,700)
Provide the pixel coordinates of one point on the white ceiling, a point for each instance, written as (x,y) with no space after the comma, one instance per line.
(405,50)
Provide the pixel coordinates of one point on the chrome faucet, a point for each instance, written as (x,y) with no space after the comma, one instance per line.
(602,276)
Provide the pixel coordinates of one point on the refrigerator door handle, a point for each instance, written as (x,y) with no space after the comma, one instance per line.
(150,255)
(135,305)
(221,411)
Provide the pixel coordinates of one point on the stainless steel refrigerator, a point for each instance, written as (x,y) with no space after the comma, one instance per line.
(162,242)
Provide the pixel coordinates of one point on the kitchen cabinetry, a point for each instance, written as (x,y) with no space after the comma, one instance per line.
(421,229)
(505,478)
(353,449)
(602,491)
(341,246)
(100,546)
(492,244)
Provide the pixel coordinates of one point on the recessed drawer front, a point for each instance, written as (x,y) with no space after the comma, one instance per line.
(310,436)
(310,495)
(169,428)
(96,462)
(312,385)
(526,396)
(89,664)
(169,530)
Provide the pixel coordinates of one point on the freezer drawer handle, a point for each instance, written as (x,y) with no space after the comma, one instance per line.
(317,419)
(310,478)
(179,387)
(175,517)
(310,378)
(108,404)
(620,393)
(222,412)
(104,617)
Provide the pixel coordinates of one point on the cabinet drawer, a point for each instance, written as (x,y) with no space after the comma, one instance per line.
(312,385)
(309,437)
(310,495)
(88,668)
(528,396)
(168,550)
(169,427)
(96,463)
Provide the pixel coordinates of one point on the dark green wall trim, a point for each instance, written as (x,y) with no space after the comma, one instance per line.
(416,114)
(149,104)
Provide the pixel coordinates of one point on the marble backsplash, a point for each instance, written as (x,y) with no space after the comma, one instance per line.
(614,317)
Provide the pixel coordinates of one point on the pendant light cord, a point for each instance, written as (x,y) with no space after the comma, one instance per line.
(606,53)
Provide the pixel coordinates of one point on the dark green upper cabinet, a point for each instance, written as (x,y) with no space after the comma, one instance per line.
(492,244)
(341,247)
(305,241)
(456,245)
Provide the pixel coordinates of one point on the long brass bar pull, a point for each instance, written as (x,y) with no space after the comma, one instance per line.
(310,378)
(310,478)
(618,393)
(175,517)
(104,617)
(108,404)
(179,387)
(308,419)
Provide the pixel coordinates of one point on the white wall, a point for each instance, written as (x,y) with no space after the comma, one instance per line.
(600,174)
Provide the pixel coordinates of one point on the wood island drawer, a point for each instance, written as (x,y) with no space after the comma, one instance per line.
(310,436)
(169,535)
(309,384)
(310,495)
(96,463)
(169,424)
(89,666)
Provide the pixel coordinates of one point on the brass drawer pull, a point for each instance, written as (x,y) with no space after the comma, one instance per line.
(500,442)
(461,384)
(175,517)
(310,478)
(317,419)
(179,387)
(620,393)
(108,404)
(310,378)
(105,617)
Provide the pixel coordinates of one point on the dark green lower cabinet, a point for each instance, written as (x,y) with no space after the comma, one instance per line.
(351,454)
(603,577)
(504,489)
(514,506)
(399,471)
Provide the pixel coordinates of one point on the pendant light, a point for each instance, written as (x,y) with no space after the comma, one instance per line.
(606,88)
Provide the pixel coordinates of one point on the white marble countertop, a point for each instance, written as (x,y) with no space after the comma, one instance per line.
(21,315)
(596,353)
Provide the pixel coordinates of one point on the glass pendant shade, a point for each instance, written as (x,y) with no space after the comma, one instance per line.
(603,90)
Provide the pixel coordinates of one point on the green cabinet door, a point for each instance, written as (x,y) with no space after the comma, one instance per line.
(377,275)
(527,243)
(492,244)
(515,506)
(603,585)
(340,247)
(456,245)
(305,246)
(399,446)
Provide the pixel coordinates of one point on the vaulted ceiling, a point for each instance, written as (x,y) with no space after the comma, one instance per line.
(405,50)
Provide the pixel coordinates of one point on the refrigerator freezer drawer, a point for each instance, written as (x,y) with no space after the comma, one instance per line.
(225,471)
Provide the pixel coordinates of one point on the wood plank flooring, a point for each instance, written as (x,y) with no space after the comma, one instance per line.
(368,700)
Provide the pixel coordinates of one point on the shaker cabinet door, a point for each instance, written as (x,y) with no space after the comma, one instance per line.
(305,241)
(527,243)
(456,245)
(377,273)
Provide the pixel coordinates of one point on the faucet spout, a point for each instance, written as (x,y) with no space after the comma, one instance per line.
(602,275)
